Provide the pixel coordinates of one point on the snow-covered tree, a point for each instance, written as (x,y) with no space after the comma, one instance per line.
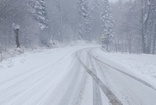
(147,20)
(16,11)
(95,20)
(84,25)
(40,15)
(135,25)
(106,22)
(106,18)
(127,26)
(39,12)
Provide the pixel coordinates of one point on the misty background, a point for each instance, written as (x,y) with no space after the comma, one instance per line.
(128,26)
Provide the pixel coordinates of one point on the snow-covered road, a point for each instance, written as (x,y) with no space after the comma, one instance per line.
(71,76)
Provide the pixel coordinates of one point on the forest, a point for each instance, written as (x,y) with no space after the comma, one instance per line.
(128,26)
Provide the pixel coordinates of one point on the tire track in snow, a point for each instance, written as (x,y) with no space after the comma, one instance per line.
(32,70)
(96,90)
(74,93)
(125,73)
(68,94)
(53,95)
(112,98)
(43,86)
(32,80)
(18,88)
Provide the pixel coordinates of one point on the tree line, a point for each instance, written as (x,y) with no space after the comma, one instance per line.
(129,26)
(30,16)
(41,22)
(135,26)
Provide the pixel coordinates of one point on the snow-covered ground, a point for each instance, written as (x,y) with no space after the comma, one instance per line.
(78,75)
(141,63)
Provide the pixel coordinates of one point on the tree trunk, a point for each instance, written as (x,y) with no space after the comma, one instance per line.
(17,38)
(145,20)
(142,27)
(154,42)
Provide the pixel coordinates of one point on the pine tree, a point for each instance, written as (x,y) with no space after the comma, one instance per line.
(40,15)
(106,18)
(106,22)
(17,11)
(84,26)
(39,12)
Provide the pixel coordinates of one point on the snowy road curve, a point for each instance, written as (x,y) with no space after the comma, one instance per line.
(71,76)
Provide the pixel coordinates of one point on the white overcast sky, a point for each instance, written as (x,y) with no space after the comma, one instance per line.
(113,0)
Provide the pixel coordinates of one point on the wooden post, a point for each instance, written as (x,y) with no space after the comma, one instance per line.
(17,37)
(16,28)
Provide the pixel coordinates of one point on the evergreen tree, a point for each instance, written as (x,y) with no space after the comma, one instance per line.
(39,12)
(106,21)
(84,25)
(40,15)
(106,18)
(16,11)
